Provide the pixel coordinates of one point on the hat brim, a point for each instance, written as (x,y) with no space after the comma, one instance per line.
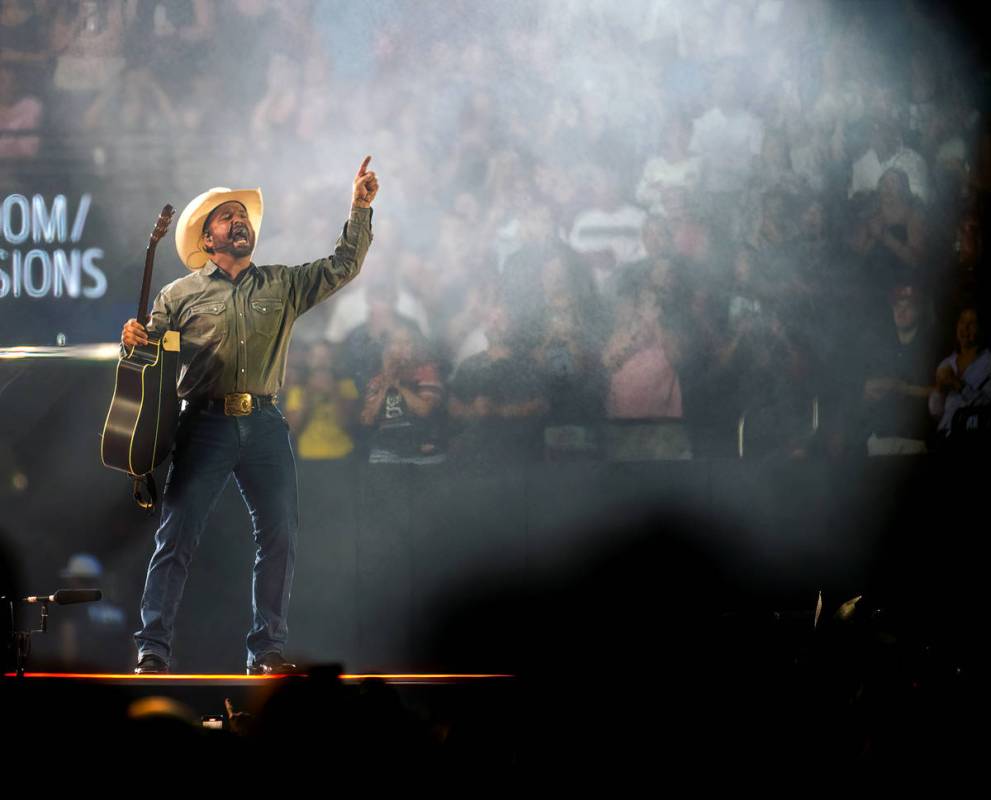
(189,228)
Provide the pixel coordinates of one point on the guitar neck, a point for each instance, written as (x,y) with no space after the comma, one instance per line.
(162,225)
(146,284)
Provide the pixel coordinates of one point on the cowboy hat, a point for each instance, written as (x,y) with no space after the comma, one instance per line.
(189,229)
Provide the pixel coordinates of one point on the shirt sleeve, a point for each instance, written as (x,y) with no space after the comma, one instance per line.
(311,283)
(160,319)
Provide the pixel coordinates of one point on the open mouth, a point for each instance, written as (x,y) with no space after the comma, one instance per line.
(239,236)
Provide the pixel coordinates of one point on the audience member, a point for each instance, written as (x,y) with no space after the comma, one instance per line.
(402,402)
(963,384)
(493,401)
(897,386)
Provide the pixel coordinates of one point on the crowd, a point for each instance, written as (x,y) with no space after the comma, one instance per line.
(670,231)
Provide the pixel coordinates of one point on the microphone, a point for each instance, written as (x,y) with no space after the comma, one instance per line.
(65,597)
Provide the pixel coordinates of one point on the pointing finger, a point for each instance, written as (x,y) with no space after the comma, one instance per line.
(364,165)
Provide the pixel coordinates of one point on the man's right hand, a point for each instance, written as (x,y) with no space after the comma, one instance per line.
(134,333)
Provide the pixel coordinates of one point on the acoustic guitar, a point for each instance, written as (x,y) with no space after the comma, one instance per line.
(140,425)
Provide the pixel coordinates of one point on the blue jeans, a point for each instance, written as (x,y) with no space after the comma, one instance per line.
(209,446)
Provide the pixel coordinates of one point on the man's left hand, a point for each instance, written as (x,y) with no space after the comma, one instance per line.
(366,186)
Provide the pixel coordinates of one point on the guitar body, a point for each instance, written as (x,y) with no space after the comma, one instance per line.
(140,426)
(144,411)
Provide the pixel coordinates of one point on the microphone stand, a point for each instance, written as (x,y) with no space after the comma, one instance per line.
(21,640)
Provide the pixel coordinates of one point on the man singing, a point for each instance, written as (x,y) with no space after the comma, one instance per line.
(235,322)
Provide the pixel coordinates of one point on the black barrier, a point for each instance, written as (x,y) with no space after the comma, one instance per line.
(405,567)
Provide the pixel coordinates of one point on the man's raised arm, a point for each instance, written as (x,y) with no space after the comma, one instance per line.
(319,279)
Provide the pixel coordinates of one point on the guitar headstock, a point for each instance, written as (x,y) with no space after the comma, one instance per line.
(162,225)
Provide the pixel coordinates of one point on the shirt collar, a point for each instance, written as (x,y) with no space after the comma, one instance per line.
(210,267)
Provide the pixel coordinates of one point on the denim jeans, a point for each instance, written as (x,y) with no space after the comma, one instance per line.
(209,446)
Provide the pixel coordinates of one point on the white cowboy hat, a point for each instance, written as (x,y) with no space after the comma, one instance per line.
(189,228)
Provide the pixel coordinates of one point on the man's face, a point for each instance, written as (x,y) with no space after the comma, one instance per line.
(399,350)
(538,225)
(905,311)
(968,329)
(229,230)
(884,139)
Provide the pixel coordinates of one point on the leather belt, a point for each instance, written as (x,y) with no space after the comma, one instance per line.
(235,404)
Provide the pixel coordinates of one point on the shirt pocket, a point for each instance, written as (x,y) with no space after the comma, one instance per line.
(266,315)
(206,322)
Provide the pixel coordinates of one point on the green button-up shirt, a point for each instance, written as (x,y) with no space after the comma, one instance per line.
(234,334)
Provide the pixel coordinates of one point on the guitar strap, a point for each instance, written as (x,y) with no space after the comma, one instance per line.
(150,499)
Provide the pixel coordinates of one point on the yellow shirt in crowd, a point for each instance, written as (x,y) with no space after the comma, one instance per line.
(323,437)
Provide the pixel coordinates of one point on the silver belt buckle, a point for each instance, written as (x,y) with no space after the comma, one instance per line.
(237,404)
